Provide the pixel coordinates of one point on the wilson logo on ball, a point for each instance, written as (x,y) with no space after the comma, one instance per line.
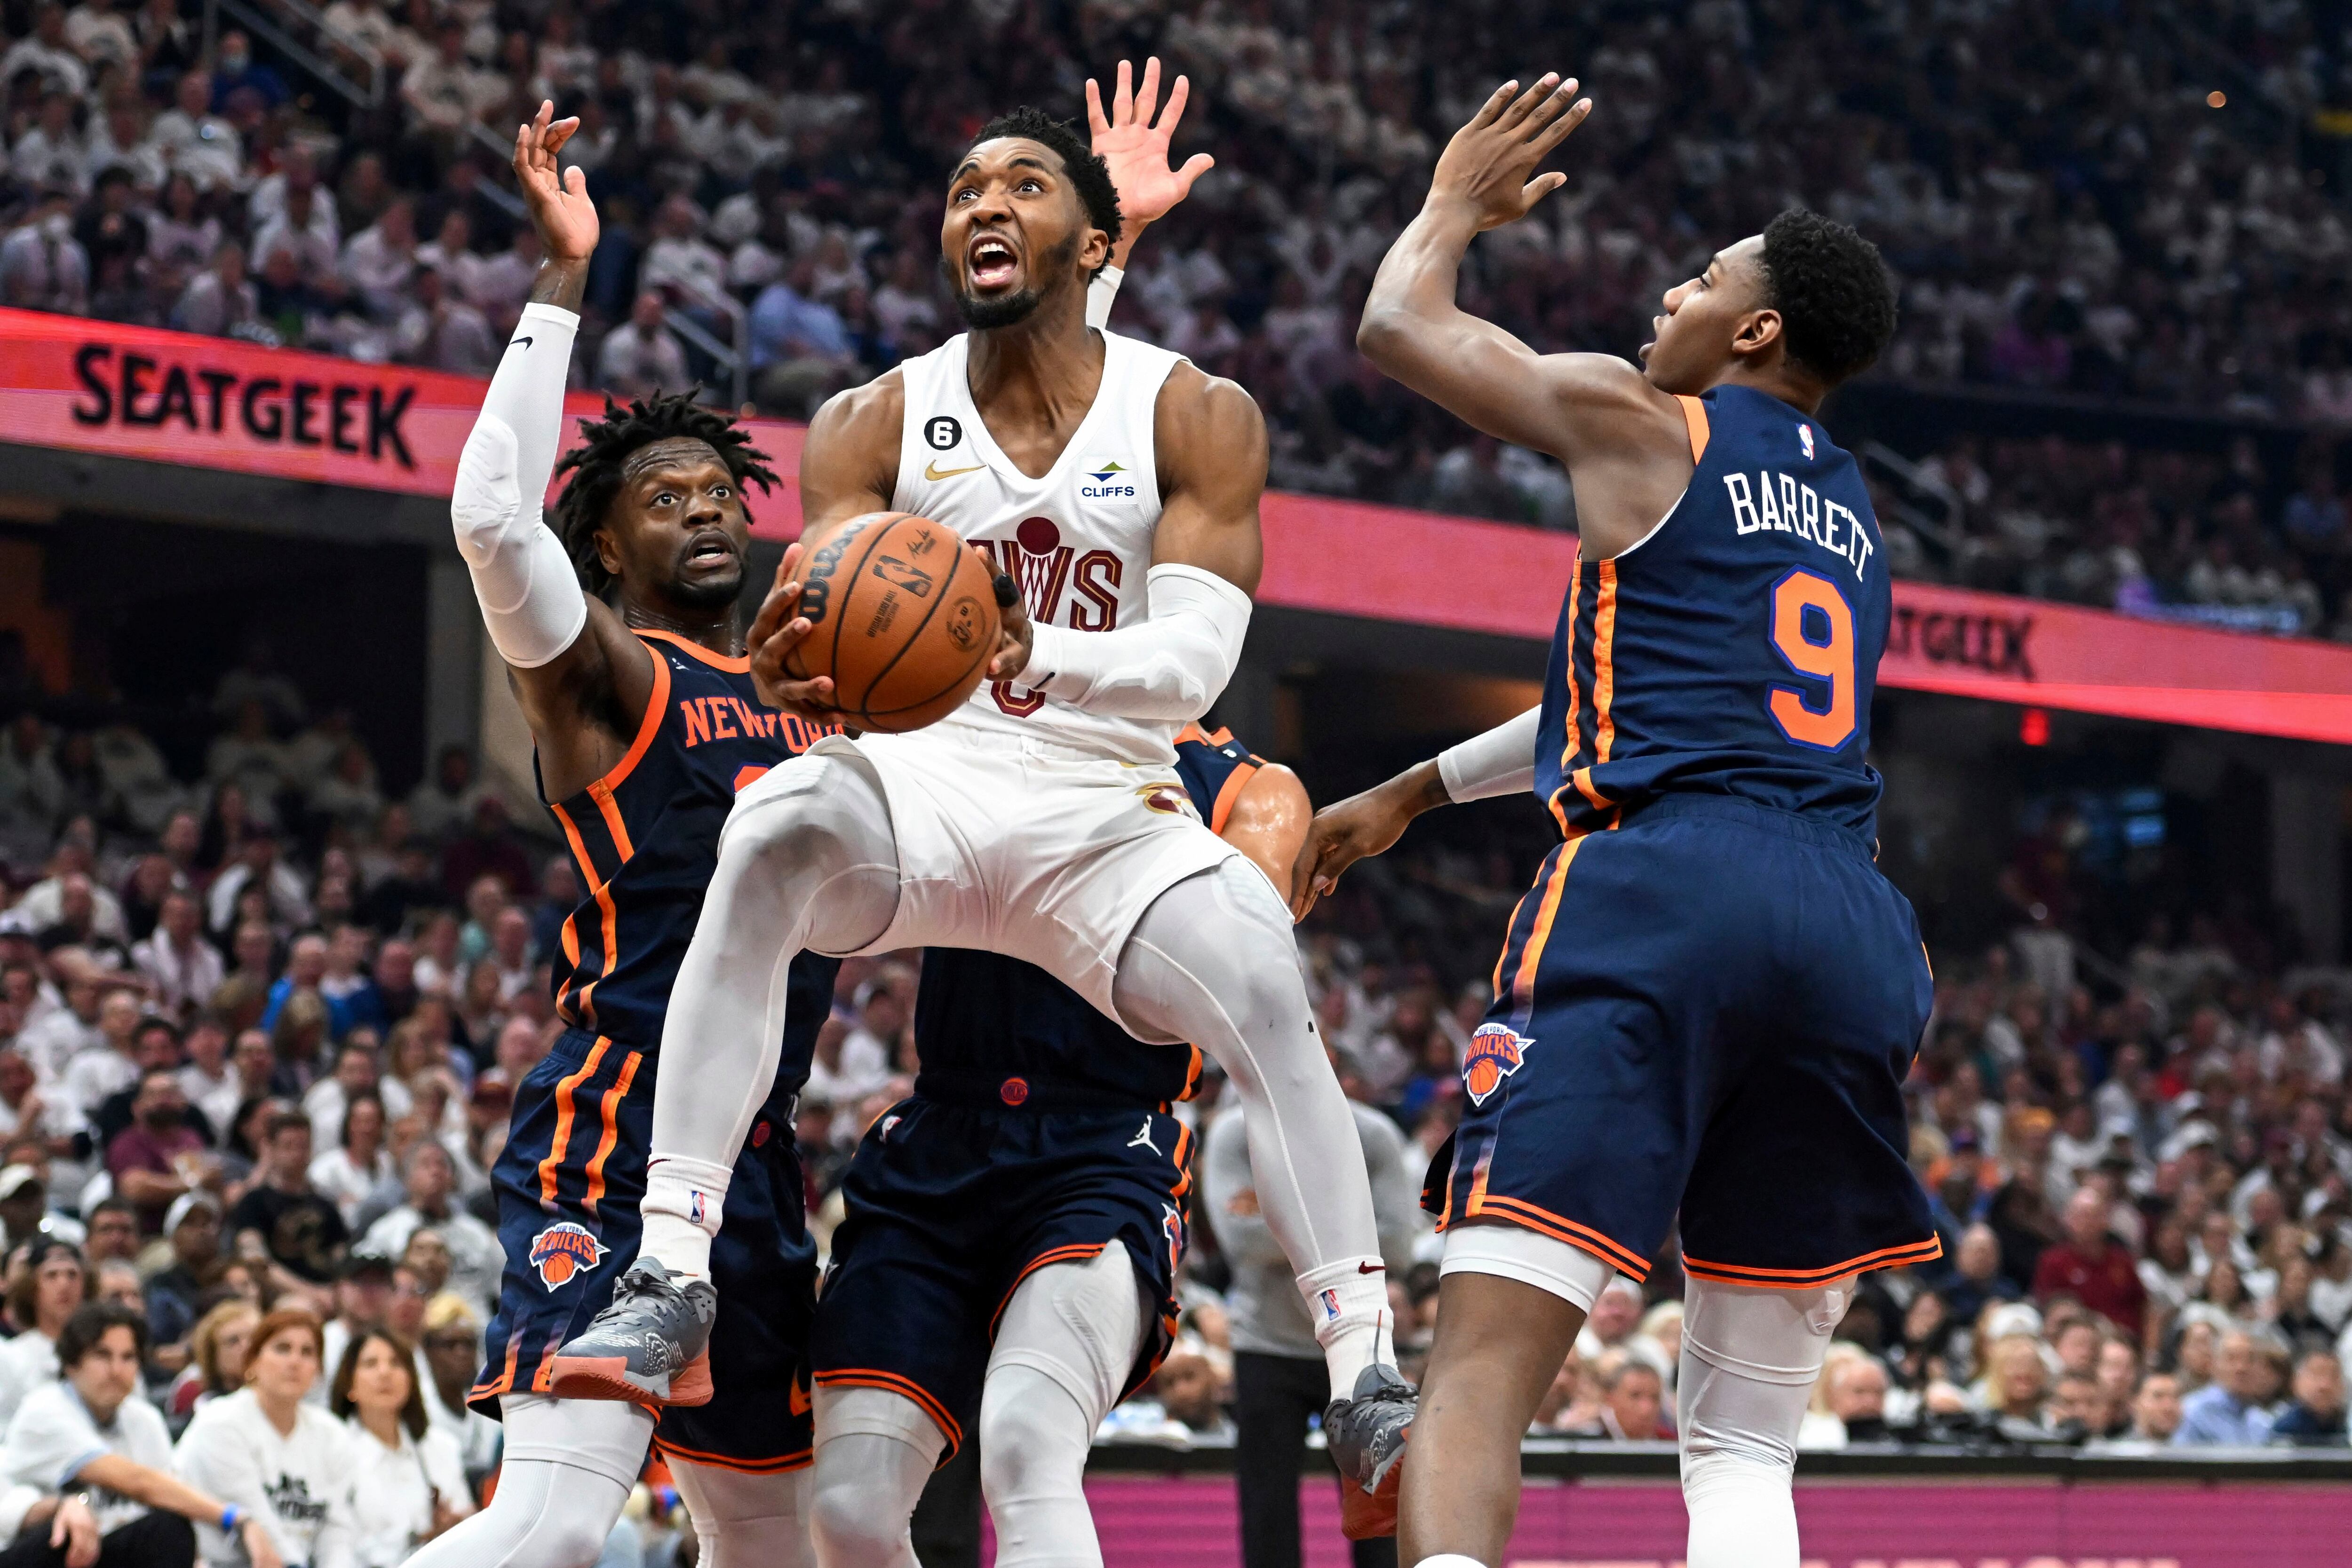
(816,583)
(563,1250)
(1496,1052)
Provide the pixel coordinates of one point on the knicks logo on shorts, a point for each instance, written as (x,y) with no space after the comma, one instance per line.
(1496,1051)
(563,1250)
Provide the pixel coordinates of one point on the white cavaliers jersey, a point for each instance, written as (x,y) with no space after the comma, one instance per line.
(1078,540)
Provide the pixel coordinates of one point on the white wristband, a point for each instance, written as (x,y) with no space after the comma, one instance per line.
(1500,762)
(1171,665)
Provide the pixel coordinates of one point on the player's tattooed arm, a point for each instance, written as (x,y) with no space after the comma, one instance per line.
(849,467)
(1134,148)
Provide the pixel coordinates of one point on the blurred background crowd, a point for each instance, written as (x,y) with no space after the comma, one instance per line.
(2109,204)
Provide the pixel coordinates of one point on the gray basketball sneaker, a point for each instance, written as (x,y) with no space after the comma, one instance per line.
(650,1345)
(1366,1434)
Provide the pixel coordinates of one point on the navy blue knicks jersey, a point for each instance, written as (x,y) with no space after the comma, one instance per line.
(1734,651)
(984,1016)
(645,839)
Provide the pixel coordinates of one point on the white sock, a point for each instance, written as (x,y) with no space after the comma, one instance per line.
(682,1212)
(1450,1560)
(1349,1303)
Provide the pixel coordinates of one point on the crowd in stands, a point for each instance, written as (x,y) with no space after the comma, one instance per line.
(2165,534)
(2072,203)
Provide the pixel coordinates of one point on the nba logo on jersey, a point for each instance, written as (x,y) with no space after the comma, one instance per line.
(563,1250)
(1805,440)
(1496,1051)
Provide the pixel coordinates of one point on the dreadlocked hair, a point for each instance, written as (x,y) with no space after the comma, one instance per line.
(1089,175)
(595,468)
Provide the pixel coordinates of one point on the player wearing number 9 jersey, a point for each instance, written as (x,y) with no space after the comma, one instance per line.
(1708,999)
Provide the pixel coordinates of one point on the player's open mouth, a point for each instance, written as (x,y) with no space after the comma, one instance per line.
(991,263)
(710,550)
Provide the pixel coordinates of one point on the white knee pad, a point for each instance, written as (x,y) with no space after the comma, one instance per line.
(1749,1359)
(1080,1325)
(600,1434)
(744,1520)
(1222,936)
(874,1450)
(1515,1253)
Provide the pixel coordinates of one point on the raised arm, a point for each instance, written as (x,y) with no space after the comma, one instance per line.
(582,679)
(1135,147)
(1595,413)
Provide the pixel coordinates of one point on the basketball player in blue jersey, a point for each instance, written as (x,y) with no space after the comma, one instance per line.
(1038,1145)
(618,628)
(1709,998)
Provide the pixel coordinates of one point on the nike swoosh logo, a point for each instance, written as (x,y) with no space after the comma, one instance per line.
(1372,1269)
(520,343)
(932,470)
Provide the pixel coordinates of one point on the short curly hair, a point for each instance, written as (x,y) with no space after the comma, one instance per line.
(1089,175)
(1836,300)
(595,468)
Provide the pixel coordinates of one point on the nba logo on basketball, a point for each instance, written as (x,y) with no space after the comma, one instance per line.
(1496,1052)
(563,1250)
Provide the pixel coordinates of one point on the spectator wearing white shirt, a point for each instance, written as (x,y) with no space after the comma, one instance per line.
(359,1162)
(500,286)
(378,260)
(25,1113)
(306,228)
(90,1428)
(679,256)
(47,52)
(64,1032)
(101,34)
(444,88)
(42,265)
(451,252)
(53,154)
(641,357)
(265,1449)
(407,1478)
(221,300)
(110,1067)
(123,139)
(209,1079)
(430,1175)
(184,968)
(195,141)
(258,865)
(439,331)
(56,1283)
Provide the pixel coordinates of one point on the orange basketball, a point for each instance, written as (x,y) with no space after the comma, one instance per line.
(901,616)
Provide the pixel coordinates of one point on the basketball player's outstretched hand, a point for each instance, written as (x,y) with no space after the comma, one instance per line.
(1488,169)
(558,197)
(776,631)
(1350,829)
(1137,149)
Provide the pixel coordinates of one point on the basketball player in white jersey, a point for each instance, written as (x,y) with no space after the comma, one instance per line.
(1043,819)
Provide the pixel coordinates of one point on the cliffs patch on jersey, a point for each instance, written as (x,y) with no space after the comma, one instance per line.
(563,1250)
(1496,1051)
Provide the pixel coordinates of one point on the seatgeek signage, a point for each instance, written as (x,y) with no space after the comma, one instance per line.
(169,397)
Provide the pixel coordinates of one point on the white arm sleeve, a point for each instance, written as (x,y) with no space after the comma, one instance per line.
(1500,762)
(1099,295)
(1173,665)
(530,598)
